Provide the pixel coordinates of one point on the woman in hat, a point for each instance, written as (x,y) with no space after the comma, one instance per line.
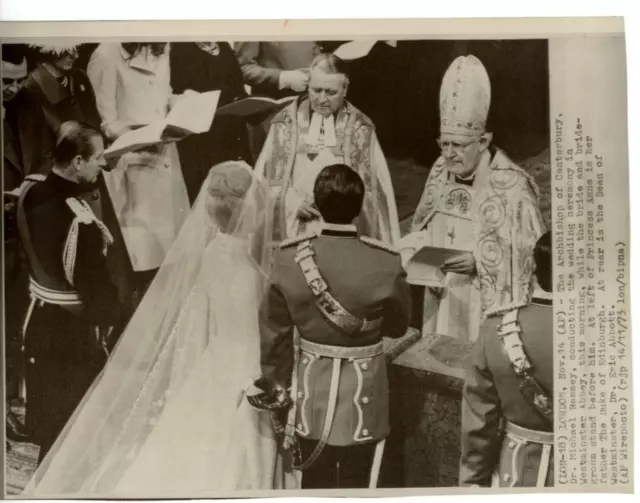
(62,92)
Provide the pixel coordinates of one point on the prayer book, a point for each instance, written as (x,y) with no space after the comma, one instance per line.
(423,262)
(192,114)
(253,105)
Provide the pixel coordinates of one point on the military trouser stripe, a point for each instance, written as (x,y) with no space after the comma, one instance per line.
(544,465)
(377,462)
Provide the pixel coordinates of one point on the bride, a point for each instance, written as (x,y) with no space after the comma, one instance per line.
(168,415)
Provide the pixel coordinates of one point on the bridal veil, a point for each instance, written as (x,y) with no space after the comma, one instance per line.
(117,415)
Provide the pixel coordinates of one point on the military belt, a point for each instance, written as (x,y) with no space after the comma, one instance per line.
(534,436)
(49,296)
(340,352)
(522,436)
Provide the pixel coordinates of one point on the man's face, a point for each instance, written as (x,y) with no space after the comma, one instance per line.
(13,78)
(65,62)
(89,169)
(326,91)
(461,153)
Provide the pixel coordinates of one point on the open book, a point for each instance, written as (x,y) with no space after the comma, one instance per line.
(255,105)
(423,262)
(192,114)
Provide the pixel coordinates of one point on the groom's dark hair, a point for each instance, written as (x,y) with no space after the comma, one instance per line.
(338,193)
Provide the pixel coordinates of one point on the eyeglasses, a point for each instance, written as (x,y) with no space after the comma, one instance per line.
(455,146)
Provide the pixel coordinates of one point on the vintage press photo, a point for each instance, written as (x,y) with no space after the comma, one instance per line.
(343,258)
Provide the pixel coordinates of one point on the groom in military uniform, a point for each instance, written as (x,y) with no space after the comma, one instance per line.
(333,296)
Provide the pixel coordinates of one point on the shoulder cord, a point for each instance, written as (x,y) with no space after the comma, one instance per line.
(84,215)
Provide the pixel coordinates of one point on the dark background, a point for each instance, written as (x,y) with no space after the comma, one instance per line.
(399,89)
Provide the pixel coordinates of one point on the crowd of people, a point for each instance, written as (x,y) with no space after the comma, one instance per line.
(147,292)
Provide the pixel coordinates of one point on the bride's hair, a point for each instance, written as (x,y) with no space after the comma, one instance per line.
(228,185)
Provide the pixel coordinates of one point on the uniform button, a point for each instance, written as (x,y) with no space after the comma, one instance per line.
(512,444)
(96,196)
(300,394)
(365,400)
(305,361)
(365,366)
(22,348)
(365,432)
(299,426)
(506,477)
(32,360)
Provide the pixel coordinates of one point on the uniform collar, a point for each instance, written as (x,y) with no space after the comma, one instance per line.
(339,230)
(67,188)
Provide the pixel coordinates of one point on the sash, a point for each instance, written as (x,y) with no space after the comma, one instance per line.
(326,303)
(531,389)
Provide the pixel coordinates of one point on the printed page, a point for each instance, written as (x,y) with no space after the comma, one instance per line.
(194,112)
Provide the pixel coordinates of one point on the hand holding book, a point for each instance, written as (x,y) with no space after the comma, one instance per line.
(193,113)
(428,265)
(464,263)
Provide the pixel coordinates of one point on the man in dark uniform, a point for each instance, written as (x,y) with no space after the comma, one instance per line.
(507,416)
(75,305)
(62,93)
(333,297)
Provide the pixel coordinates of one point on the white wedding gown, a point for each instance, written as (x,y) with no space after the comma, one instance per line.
(206,437)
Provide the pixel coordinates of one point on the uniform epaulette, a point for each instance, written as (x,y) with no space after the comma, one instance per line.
(298,239)
(35,177)
(379,244)
(81,211)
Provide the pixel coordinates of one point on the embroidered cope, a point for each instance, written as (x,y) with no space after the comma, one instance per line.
(498,219)
(300,145)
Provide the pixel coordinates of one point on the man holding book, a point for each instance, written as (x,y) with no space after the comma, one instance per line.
(317,130)
(478,201)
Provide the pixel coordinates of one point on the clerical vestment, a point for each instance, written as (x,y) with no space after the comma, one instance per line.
(498,219)
(291,159)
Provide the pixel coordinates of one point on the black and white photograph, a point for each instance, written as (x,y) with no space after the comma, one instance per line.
(279,265)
